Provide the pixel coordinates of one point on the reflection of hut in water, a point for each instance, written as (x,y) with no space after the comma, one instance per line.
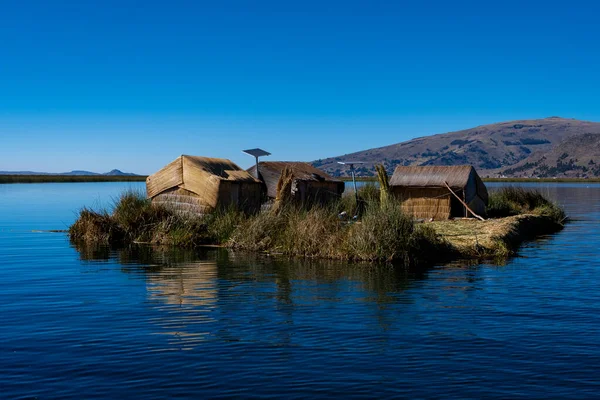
(309,184)
(187,293)
(201,184)
(424,193)
(193,284)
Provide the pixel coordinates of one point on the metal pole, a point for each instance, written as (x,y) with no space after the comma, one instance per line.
(257,173)
(354,182)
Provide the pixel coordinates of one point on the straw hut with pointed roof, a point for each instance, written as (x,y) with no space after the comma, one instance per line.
(309,185)
(201,184)
(425,194)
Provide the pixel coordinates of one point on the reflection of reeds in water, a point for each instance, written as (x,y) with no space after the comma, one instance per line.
(195,297)
(181,288)
(215,295)
(383,280)
(92,252)
(188,279)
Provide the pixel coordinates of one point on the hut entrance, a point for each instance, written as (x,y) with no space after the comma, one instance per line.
(457,209)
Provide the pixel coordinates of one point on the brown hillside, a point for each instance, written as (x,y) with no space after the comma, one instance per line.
(575,157)
(516,148)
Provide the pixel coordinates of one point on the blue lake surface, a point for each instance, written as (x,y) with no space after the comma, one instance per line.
(137,323)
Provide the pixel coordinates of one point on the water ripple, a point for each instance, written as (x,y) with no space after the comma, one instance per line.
(145,324)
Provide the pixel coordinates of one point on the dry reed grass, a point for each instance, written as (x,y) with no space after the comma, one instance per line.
(493,237)
(510,200)
(384,233)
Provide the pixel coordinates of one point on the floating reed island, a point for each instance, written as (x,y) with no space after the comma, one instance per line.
(416,223)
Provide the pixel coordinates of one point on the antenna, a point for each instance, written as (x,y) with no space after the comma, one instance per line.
(351,164)
(256,153)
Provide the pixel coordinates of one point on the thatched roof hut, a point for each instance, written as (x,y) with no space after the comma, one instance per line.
(424,193)
(201,184)
(309,184)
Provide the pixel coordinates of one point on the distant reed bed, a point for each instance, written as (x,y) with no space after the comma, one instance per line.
(69,178)
(515,180)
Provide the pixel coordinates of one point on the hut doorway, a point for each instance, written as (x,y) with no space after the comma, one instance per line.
(457,209)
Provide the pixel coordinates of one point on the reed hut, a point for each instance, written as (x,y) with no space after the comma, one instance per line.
(202,184)
(426,192)
(309,184)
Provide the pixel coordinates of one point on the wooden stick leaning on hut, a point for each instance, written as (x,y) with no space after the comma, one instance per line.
(464,204)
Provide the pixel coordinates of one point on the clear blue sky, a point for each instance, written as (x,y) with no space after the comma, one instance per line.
(123,84)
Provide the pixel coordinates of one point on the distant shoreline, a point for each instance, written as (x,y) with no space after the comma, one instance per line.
(70,178)
(550,180)
(515,180)
(142,178)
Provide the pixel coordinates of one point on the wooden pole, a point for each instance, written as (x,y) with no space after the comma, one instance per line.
(464,204)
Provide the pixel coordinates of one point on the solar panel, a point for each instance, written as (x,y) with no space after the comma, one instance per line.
(256,152)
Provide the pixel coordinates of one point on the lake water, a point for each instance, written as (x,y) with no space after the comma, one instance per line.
(100,323)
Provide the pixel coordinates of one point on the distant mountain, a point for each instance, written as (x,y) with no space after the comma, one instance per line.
(77,172)
(22,173)
(114,172)
(119,173)
(550,147)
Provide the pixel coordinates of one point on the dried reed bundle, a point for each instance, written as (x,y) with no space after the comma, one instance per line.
(384,184)
(284,190)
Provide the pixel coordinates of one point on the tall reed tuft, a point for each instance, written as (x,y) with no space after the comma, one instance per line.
(315,232)
(136,216)
(384,233)
(96,226)
(135,219)
(260,232)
